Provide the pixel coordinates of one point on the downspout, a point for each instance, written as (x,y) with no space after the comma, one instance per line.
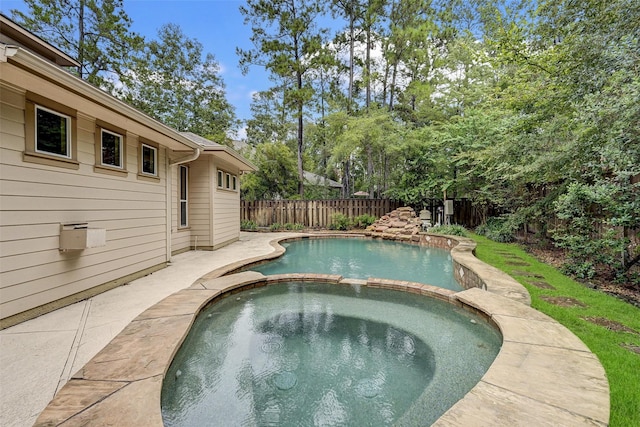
(188,158)
(169,163)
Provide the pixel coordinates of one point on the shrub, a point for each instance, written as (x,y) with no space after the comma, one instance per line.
(293,227)
(363,221)
(452,230)
(339,222)
(276,226)
(248,225)
(499,229)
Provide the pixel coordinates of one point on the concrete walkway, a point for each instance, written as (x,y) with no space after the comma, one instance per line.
(37,357)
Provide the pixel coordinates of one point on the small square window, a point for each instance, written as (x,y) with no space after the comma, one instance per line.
(53,132)
(220,179)
(149,160)
(111,149)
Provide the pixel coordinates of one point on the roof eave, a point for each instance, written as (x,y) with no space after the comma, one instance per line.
(35,43)
(232,157)
(48,70)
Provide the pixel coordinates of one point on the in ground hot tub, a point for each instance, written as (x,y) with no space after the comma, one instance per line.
(294,353)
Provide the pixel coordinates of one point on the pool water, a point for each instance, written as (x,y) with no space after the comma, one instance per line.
(313,354)
(364,258)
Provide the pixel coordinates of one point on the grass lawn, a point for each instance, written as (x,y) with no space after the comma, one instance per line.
(606,342)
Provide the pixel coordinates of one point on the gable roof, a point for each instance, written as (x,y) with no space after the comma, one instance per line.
(227,154)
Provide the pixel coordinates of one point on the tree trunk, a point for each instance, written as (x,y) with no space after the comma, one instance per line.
(81,38)
(300,140)
(351,54)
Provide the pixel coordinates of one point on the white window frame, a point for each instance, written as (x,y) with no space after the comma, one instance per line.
(68,133)
(155,159)
(227,181)
(220,179)
(121,150)
(183,222)
(234,183)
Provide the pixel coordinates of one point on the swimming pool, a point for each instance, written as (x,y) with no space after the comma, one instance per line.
(362,258)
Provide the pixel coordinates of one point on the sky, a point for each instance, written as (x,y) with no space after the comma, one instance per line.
(217,24)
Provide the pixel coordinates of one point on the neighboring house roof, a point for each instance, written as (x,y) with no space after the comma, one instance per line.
(309,177)
(14,34)
(226,153)
(315,179)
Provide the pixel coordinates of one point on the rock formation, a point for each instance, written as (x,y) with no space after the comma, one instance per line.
(401,223)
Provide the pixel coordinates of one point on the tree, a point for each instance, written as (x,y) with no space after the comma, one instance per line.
(276,174)
(173,83)
(95,32)
(288,44)
(270,121)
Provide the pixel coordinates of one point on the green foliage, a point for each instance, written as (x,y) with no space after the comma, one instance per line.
(187,92)
(499,229)
(289,45)
(248,225)
(340,222)
(451,230)
(276,226)
(363,221)
(276,176)
(293,227)
(592,244)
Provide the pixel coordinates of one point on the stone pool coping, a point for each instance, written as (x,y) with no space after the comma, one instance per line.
(543,373)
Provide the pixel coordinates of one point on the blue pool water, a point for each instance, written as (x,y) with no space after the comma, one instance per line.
(364,258)
(312,354)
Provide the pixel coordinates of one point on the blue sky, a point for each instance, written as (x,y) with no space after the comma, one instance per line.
(217,24)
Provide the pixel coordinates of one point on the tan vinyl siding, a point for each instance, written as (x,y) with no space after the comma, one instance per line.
(226,212)
(35,199)
(200,202)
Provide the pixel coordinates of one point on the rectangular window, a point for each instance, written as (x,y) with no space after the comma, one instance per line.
(228,181)
(220,181)
(53,132)
(184,187)
(111,149)
(149,160)
(234,182)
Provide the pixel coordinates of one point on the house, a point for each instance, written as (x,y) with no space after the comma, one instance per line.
(94,193)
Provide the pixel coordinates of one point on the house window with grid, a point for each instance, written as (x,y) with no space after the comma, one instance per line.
(184,192)
(111,149)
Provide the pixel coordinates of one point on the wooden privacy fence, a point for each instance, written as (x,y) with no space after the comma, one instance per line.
(311,213)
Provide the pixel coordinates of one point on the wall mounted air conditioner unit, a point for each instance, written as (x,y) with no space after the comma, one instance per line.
(78,236)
